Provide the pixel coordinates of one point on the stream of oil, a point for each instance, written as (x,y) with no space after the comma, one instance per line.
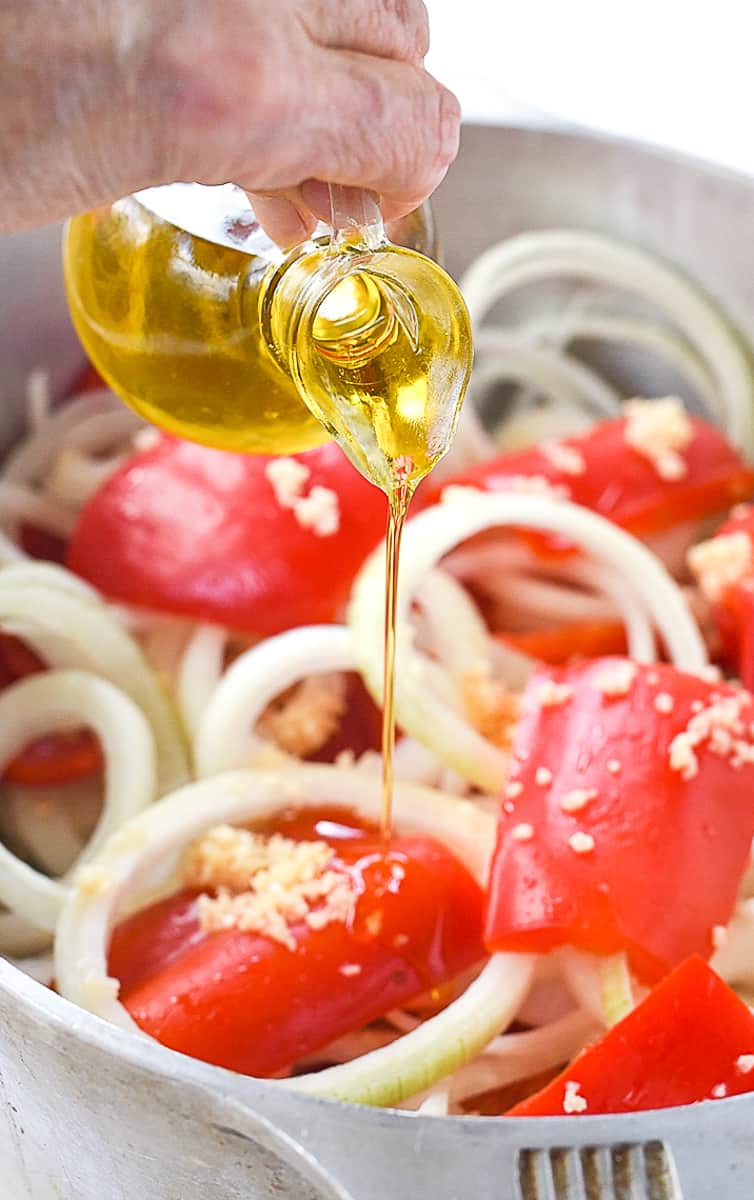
(397,509)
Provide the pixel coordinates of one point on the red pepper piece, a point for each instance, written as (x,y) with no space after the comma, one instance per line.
(623,485)
(691,1039)
(254,1005)
(57,758)
(199,532)
(602,844)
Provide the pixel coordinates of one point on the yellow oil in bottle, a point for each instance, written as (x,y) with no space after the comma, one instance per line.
(355,339)
(170,316)
(379,343)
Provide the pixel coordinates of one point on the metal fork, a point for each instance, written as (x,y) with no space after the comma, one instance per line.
(631,1171)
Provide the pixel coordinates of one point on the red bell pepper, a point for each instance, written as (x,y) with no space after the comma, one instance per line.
(690,1039)
(627,820)
(573,640)
(243,1001)
(623,485)
(57,758)
(200,533)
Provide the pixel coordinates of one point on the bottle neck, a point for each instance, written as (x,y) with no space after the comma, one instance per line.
(319,288)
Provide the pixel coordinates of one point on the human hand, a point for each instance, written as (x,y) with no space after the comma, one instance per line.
(103,97)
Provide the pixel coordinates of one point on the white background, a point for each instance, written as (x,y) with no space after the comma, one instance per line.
(677,74)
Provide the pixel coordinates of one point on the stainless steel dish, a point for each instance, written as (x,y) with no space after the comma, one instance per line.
(91,1113)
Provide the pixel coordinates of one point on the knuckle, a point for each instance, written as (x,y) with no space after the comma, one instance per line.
(411,18)
(448,125)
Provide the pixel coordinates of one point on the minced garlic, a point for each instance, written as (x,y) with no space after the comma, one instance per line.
(573,1101)
(288,478)
(491,707)
(721,562)
(659,430)
(616,680)
(265,884)
(319,511)
(567,459)
(304,717)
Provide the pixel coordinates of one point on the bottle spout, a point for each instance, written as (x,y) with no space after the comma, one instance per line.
(355,218)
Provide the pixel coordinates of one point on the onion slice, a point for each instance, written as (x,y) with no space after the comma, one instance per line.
(436,531)
(530,257)
(59,700)
(71,628)
(225,738)
(199,673)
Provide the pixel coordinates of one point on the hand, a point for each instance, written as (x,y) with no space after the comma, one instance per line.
(103,97)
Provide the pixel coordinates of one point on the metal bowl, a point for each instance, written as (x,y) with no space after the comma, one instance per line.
(89,1112)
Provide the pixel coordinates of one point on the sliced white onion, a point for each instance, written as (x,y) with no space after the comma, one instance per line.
(459,635)
(734,958)
(436,1104)
(525,585)
(582,974)
(34,573)
(61,700)
(436,531)
(545,254)
(38,398)
(504,356)
(19,503)
(164,645)
(515,1056)
(414,763)
(435,1048)
(639,634)
(616,988)
(529,600)
(100,432)
(31,460)
(157,836)
(76,476)
(199,673)
(647,335)
(226,738)
(68,629)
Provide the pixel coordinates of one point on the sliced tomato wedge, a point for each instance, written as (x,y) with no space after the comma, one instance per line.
(57,758)
(691,1039)
(251,1004)
(200,532)
(620,483)
(627,821)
